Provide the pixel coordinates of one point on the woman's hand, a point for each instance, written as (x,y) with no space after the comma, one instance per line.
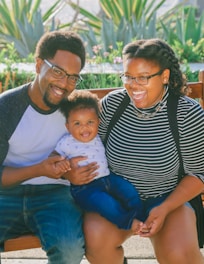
(154,221)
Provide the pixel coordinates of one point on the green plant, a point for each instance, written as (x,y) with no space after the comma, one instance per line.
(11,78)
(118,21)
(112,55)
(185,34)
(191,76)
(115,10)
(8,54)
(104,80)
(23,24)
(189,52)
(110,34)
(129,9)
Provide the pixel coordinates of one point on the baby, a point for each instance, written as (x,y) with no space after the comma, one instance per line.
(108,194)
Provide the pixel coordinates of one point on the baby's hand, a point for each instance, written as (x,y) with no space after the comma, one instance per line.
(62,166)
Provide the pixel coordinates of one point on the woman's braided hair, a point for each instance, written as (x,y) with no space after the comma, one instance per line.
(159,52)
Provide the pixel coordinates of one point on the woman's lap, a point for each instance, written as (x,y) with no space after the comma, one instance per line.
(177,240)
(179,229)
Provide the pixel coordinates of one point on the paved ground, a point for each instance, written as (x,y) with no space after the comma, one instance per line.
(44,261)
(137,250)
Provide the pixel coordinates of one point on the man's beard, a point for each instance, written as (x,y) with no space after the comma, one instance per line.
(48,103)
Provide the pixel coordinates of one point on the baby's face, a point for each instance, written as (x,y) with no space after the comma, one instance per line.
(83,124)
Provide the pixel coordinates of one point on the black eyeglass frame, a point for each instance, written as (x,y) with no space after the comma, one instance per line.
(51,65)
(145,77)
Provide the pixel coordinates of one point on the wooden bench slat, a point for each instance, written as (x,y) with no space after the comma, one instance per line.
(21,243)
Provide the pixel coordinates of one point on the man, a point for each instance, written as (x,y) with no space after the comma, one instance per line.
(34,195)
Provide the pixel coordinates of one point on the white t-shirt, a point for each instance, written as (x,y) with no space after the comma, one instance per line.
(69,147)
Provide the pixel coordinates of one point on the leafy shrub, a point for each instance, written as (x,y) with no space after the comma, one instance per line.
(104,80)
(23,24)
(185,33)
(12,78)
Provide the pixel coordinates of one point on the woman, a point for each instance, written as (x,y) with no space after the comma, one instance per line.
(142,149)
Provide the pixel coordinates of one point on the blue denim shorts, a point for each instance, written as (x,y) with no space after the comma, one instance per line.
(151,202)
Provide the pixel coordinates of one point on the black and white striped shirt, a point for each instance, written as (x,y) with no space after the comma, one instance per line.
(144,151)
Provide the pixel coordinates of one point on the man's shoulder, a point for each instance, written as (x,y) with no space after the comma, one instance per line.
(15,93)
(14,102)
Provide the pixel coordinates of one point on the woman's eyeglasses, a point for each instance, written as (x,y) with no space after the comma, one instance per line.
(143,80)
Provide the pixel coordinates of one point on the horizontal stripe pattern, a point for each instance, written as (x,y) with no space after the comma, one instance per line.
(144,151)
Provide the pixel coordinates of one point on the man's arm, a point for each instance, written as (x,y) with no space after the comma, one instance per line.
(11,176)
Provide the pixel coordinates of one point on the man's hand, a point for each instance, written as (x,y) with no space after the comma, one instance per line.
(47,167)
(55,166)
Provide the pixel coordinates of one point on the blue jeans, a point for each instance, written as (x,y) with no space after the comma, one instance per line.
(111,196)
(49,212)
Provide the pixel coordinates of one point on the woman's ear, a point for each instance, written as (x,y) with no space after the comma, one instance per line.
(166,75)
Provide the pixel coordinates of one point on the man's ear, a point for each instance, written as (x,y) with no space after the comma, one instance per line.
(38,63)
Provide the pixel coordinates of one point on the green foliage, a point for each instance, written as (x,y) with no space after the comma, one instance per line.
(185,33)
(115,10)
(119,21)
(98,55)
(23,24)
(189,52)
(186,26)
(104,80)
(111,35)
(11,78)
(8,54)
(191,76)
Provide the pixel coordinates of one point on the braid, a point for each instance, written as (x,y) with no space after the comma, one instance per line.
(177,79)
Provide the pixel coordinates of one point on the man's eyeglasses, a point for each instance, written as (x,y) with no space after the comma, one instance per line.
(143,80)
(59,73)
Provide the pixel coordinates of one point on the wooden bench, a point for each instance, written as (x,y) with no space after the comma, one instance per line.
(195,90)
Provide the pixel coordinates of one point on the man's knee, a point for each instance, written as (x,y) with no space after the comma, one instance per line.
(66,251)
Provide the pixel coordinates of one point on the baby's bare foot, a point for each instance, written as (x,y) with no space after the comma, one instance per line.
(136,225)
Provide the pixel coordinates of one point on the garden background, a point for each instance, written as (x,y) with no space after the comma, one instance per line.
(105,26)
